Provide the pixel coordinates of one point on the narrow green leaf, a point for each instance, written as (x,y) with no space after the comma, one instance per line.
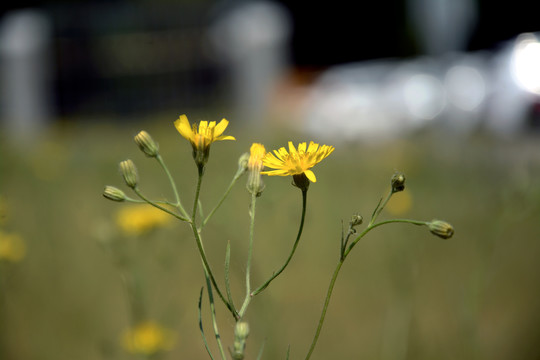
(201,326)
(227,277)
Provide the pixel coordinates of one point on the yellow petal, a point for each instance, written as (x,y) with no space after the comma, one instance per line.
(302,147)
(312,147)
(292,149)
(203,126)
(310,175)
(220,128)
(275,172)
(182,125)
(226,137)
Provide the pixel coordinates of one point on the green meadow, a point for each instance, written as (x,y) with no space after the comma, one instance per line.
(403,293)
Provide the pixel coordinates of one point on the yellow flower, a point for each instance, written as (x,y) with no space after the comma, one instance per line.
(148,338)
(255,166)
(296,162)
(141,218)
(202,138)
(12,247)
(206,134)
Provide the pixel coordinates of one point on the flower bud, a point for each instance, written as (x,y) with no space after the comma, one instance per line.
(441,228)
(398,182)
(114,194)
(129,172)
(356,220)
(243,163)
(255,165)
(241,332)
(147,144)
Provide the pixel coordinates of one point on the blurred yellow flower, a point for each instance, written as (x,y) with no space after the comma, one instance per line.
(400,203)
(206,134)
(12,247)
(296,162)
(147,338)
(140,218)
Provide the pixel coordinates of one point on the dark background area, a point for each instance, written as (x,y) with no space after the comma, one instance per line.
(323,34)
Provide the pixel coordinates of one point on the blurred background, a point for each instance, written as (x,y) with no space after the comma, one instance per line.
(446,91)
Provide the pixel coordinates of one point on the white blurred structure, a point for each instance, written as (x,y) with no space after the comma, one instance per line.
(25,73)
(252,38)
(458,93)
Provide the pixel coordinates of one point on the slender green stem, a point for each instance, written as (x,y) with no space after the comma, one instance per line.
(380,208)
(338,268)
(325,308)
(156,205)
(373,226)
(276,274)
(173,185)
(213,313)
(235,178)
(247,299)
(162,202)
(200,246)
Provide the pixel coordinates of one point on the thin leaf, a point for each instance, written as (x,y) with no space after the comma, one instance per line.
(227,277)
(201,326)
(261,351)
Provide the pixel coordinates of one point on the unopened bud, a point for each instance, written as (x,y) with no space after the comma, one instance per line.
(356,220)
(398,182)
(241,332)
(441,228)
(147,144)
(243,163)
(255,165)
(114,194)
(129,172)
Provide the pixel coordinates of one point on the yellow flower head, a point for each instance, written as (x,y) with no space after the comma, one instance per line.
(201,138)
(141,218)
(255,166)
(296,162)
(148,338)
(206,134)
(12,247)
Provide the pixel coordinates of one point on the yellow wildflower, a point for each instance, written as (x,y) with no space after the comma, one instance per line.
(141,218)
(296,162)
(12,247)
(255,166)
(203,137)
(148,338)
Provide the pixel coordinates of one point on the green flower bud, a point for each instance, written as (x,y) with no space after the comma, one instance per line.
(129,173)
(441,228)
(241,332)
(243,163)
(147,144)
(114,194)
(356,220)
(398,182)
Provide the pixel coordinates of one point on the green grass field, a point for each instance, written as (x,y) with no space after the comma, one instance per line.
(403,293)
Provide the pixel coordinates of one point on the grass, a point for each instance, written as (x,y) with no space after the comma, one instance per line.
(403,293)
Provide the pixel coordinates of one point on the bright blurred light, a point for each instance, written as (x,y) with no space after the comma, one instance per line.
(525,65)
(465,87)
(424,96)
